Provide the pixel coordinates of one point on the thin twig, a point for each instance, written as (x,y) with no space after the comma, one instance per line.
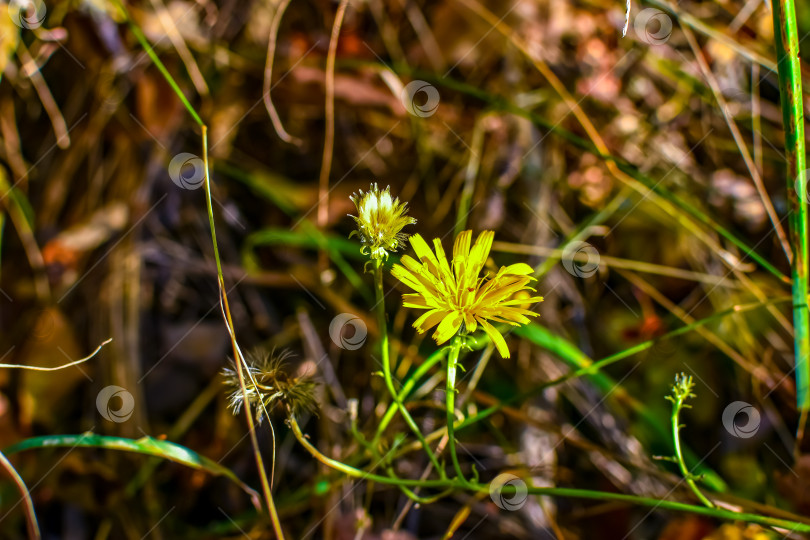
(268,76)
(738,139)
(56,368)
(329,135)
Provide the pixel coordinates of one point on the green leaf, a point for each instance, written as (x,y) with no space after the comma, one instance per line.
(145,445)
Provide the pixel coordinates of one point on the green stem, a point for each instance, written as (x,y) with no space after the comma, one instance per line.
(237,354)
(450,399)
(386,364)
(790,89)
(460,484)
(678,403)
(266,488)
(420,372)
(150,51)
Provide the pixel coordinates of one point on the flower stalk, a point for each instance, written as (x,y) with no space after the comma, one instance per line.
(450,399)
(448,484)
(681,391)
(385,349)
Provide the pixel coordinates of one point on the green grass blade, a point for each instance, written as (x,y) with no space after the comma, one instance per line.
(147,446)
(790,88)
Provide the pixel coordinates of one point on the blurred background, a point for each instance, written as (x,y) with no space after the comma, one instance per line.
(628,170)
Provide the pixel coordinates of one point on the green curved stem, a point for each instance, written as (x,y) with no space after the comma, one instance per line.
(420,372)
(28,504)
(460,484)
(238,359)
(386,364)
(682,390)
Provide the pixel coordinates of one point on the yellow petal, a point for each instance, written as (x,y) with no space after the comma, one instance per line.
(417,278)
(415,300)
(461,247)
(406,276)
(422,251)
(496,338)
(446,275)
(480,251)
(522,301)
(448,327)
(521,269)
(430,319)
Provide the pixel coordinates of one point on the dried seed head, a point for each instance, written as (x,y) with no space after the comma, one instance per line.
(267,383)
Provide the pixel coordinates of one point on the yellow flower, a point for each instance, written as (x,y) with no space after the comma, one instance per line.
(455,294)
(380,219)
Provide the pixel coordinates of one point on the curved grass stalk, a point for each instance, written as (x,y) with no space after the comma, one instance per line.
(790,89)
(282,133)
(462,485)
(658,194)
(616,262)
(739,141)
(16,211)
(593,134)
(30,515)
(686,18)
(226,312)
(145,446)
(588,367)
(329,138)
